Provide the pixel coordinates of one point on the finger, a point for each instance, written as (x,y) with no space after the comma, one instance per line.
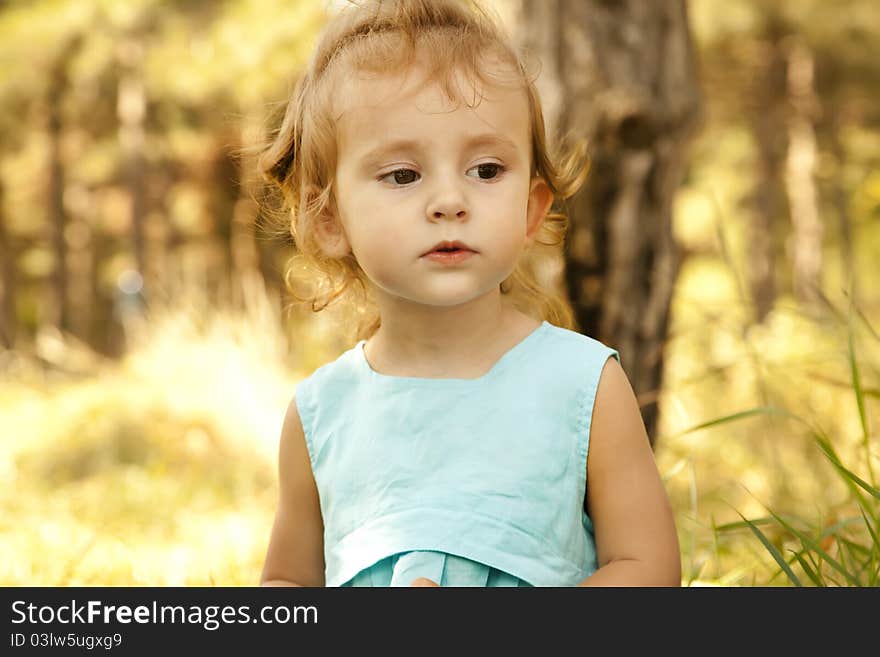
(424,581)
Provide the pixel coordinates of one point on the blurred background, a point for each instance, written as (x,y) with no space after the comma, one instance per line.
(727,243)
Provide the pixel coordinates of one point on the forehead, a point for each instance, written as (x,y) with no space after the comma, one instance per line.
(371,109)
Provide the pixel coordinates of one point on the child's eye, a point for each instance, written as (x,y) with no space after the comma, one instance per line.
(401,176)
(485,171)
(488,170)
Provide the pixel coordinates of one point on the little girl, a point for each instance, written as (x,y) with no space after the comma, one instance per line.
(466,439)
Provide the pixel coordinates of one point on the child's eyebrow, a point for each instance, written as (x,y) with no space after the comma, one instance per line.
(387,148)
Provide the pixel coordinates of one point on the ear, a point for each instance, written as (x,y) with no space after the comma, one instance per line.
(330,234)
(540,200)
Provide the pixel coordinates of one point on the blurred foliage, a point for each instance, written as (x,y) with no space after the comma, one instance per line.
(158,467)
(720,363)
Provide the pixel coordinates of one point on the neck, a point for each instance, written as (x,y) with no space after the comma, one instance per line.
(415,337)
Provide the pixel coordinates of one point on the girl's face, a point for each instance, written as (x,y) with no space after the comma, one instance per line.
(414,170)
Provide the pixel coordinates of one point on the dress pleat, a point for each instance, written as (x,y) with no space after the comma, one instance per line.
(445,569)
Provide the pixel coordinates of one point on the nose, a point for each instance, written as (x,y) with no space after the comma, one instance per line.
(448,201)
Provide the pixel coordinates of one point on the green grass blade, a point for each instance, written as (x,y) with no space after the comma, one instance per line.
(860,398)
(825,445)
(857,386)
(871,531)
(811,573)
(841,524)
(777,556)
(875,549)
(815,547)
(854,547)
(817,566)
(868,324)
(744,525)
(847,567)
(832,581)
(859,568)
(759,410)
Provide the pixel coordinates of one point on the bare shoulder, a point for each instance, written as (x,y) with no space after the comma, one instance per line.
(294,464)
(296,545)
(292,433)
(615,399)
(617,431)
(626,498)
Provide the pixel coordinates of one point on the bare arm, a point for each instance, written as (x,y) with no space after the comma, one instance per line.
(636,540)
(295,556)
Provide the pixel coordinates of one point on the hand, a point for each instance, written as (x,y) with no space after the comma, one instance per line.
(423,581)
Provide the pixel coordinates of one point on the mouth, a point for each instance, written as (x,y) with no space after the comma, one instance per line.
(449,248)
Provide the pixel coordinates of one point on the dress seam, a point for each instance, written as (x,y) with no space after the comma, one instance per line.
(550,549)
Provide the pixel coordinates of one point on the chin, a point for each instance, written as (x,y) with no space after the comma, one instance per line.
(443,294)
(451,300)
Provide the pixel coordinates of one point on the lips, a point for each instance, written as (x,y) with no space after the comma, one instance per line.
(449,247)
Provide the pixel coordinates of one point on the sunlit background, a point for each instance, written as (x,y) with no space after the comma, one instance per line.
(143,382)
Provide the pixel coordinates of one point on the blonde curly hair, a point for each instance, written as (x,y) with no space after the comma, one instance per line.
(299,158)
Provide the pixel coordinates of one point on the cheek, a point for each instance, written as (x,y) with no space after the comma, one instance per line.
(374,233)
(510,237)
(378,248)
(515,212)
(380,268)
(511,200)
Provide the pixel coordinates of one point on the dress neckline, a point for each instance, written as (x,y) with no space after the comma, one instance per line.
(422,380)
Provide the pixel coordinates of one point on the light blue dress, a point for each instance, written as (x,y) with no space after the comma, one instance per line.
(468,482)
(440,567)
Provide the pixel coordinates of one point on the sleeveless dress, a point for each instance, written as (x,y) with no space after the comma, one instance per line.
(468,482)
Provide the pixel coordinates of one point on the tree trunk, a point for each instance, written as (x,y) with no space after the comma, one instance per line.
(80,206)
(840,201)
(624,76)
(131,110)
(59,307)
(7,283)
(800,177)
(768,202)
(223,189)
